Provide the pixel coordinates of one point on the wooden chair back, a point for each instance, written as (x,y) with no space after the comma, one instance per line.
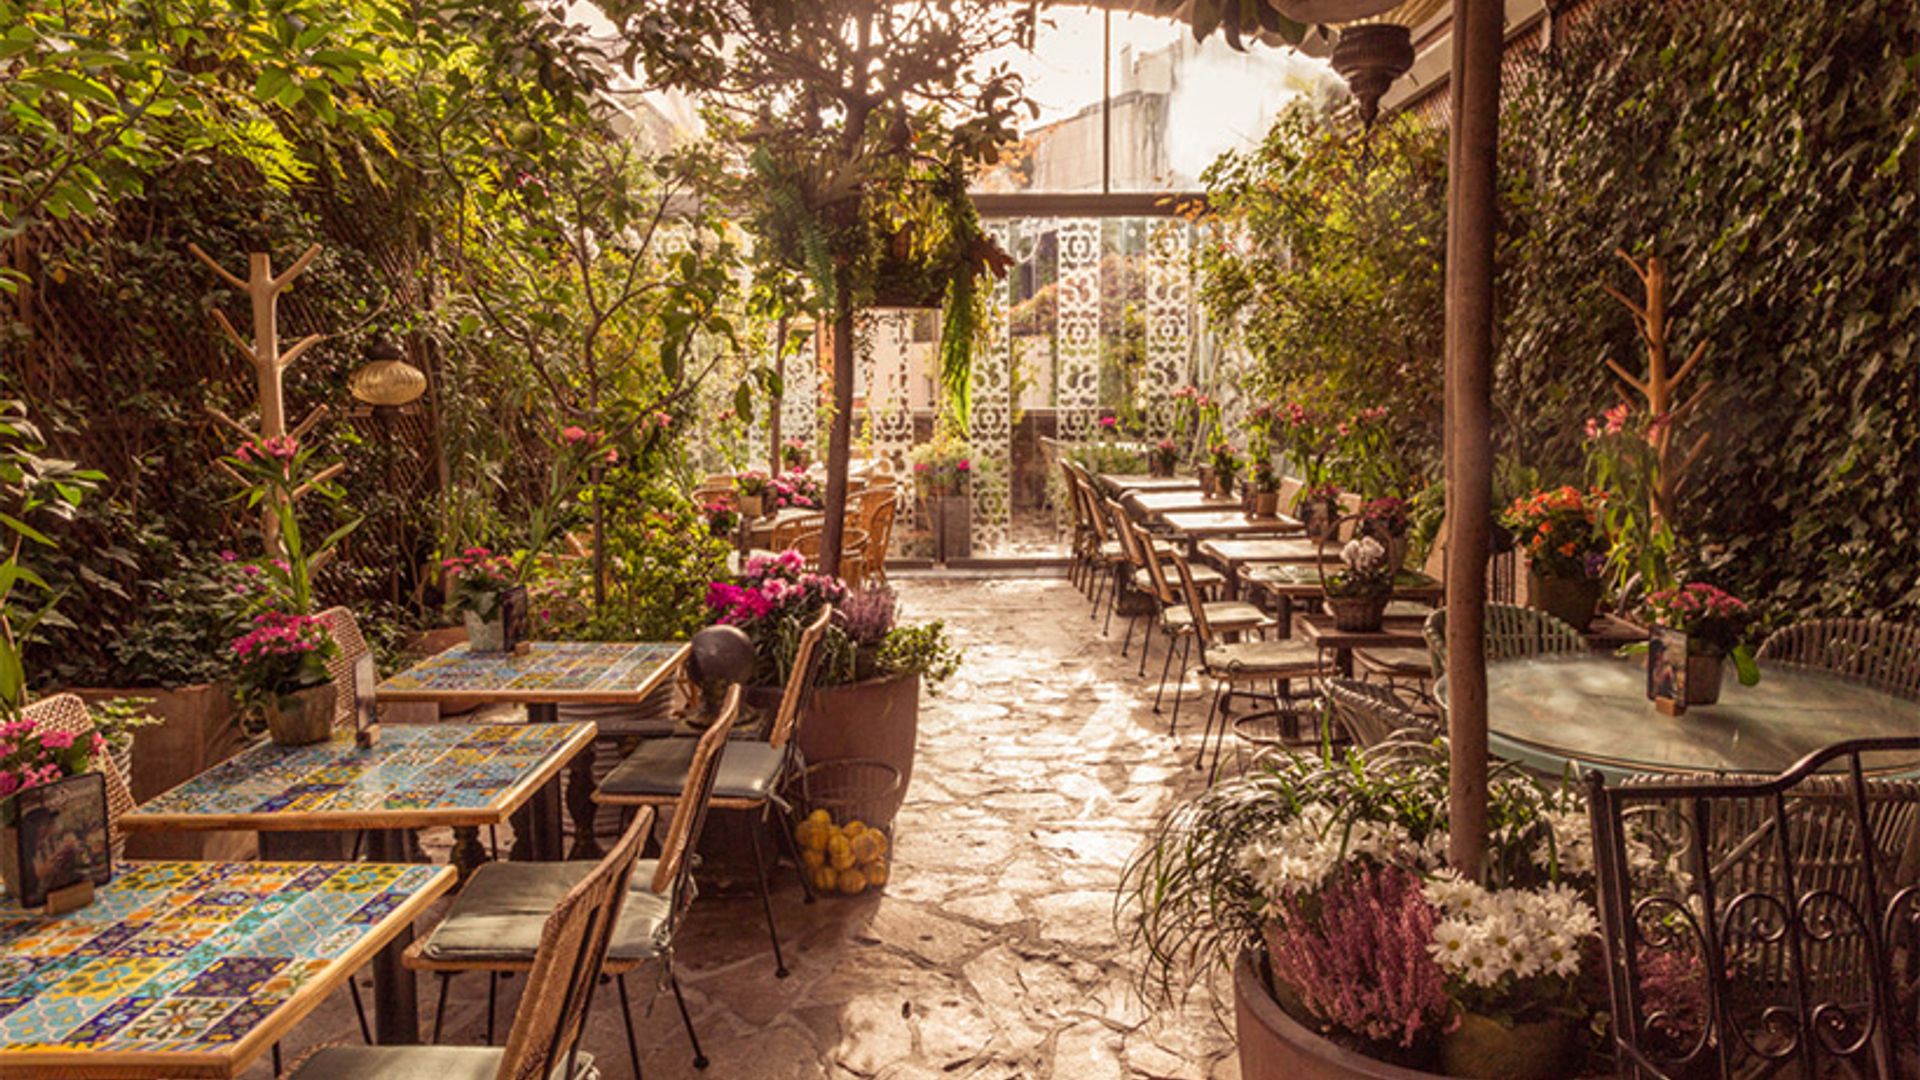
(350,648)
(68,713)
(1780,914)
(1884,655)
(806,661)
(1156,570)
(1195,605)
(704,496)
(1090,503)
(567,963)
(1123,531)
(675,869)
(878,525)
(1290,489)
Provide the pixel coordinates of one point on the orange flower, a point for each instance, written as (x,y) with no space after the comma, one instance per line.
(1568,548)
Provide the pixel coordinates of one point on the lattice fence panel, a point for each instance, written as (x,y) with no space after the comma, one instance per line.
(1077,363)
(800,399)
(990,424)
(881,340)
(1169,326)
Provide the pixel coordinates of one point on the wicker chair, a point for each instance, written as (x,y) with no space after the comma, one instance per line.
(491,925)
(566,949)
(349,653)
(878,507)
(1885,655)
(752,773)
(1372,714)
(1762,927)
(68,713)
(1083,546)
(1175,618)
(1512,633)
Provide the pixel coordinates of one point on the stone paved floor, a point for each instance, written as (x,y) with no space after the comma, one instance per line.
(993,952)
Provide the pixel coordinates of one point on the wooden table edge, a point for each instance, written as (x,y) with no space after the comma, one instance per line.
(234,1059)
(494,813)
(625,696)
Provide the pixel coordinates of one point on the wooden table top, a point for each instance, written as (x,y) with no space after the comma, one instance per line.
(550,672)
(1288,549)
(1121,483)
(1151,505)
(1395,631)
(192,969)
(1303,581)
(418,776)
(1204,523)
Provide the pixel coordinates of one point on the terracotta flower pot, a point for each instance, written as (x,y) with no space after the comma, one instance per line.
(752,506)
(1571,600)
(1483,1048)
(1706,666)
(1266,504)
(877,719)
(301,718)
(1275,1046)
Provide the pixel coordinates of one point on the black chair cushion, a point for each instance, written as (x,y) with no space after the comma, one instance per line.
(420,1063)
(748,769)
(498,916)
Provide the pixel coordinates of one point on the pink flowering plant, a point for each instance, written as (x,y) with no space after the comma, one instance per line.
(751,483)
(1334,867)
(477,578)
(1713,620)
(273,473)
(942,466)
(1623,460)
(1166,455)
(797,489)
(33,755)
(279,656)
(773,596)
(1306,439)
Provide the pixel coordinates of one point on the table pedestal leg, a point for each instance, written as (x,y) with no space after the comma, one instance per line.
(396,1007)
(468,853)
(580,806)
(537,826)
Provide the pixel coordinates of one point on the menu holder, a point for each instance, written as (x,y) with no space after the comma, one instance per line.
(64,846)
(516,637)
(366,711)
(1667,670)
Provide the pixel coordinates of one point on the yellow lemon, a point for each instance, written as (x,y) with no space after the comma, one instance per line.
(816,840)
(812,859)
(839,845)
(879,838)
(841,860)
(855,828)
(866,846)
(853,882)
(876,873)
(825,879)
(803,833)
(821,816)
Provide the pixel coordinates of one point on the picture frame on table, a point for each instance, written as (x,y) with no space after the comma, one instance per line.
(515,619)
(1667,670)
(63,840)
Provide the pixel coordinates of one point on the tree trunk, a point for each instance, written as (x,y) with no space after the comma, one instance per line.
(840,440)
(1471,193)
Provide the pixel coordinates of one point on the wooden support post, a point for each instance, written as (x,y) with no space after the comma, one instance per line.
(1472,189)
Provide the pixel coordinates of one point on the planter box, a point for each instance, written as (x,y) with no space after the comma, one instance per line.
(877,719)
(1275,1046)
(200,728)
(951,520)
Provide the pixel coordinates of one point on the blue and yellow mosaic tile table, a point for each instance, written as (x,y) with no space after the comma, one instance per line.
(182,969)
(547,675)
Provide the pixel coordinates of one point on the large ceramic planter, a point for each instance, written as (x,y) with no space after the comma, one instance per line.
(199,728)
(302,718)
(1275,1046)
(1482,1048)
(877,719)
(1571,600)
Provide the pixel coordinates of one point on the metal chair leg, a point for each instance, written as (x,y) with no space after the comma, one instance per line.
(784,823)
(359,1011)
(493,996)
(1127,641)
(276,1060)
(440,1008)
(766,903)
(1180,688)
(1215,709)
(1113,601)
(699,1059)
(626,1014)
(1166,665)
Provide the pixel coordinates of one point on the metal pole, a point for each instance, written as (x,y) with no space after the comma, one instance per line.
(1471,193)
(1106,101)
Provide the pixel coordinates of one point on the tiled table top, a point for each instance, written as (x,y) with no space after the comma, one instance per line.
(418,776)
(182,969)
(550,672)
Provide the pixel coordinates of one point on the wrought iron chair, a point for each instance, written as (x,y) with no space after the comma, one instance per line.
(566,944)
(1372,714)
(1885,655)
(1512,633)
(494,925)
(752,772)
(1764,926)
(1235,665)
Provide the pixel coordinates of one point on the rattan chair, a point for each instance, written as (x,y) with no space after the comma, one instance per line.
(68,713)
(1512,633)
(1235,666)
(1083,546)
(491,925)
(350,650)
(1372,714)
(752,773)
(1884,655)
(878,507)
(1175,620)
(788,533)
(567,930)
(1784,909)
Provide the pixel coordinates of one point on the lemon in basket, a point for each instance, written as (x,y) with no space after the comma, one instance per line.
(852,882)
(867,846)
(840,852)
(876,872)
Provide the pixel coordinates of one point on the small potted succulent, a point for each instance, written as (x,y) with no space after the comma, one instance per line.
(1357,593)
(482,582)
(281,672)
(1226,467)
(1318,508)
(1163,458)
(750,489)
(1714,622)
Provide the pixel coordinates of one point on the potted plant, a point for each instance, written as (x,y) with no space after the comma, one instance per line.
(794,456)
(116,719)
(1163,458)
(1357,593)
(722,520)
(1320,881)
(1225,464)
(1714,622)
(34,757)
(797,489)
(1566,551)
(750,492)
(1265,486)
(281,674)
(480,581)
(1318,508)
(943,472)
(1389,519)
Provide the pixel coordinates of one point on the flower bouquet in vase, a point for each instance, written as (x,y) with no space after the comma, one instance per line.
(1357,593)
(481,582)
(1226,467)
(750,489)
(1163,458)
(1265,483)
(281,675)
(1714,622)
(1566,551)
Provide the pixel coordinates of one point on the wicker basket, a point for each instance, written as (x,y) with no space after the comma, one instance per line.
(1357,614)
(854,789)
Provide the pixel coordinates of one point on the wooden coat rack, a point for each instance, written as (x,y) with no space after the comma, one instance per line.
(1662,382)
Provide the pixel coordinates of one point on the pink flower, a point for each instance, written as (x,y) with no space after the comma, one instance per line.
(963,465)
(57,740)
(613,455)
(228,556)
(1109,421)
(573,434)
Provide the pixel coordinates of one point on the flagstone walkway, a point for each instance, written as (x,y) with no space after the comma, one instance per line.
(993,953)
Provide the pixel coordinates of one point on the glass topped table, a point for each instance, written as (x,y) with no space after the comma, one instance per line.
(182,969)
(1593,711)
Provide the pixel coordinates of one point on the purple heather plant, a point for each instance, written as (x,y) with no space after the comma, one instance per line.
(867,616)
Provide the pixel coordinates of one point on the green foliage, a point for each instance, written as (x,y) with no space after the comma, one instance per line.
(188,615)
(34,491)
(116,719)
(660,557)
(1769,151)
(921,649)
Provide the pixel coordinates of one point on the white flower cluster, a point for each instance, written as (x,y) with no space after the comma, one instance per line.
(1484,937)
(1572,841)
(1298,856)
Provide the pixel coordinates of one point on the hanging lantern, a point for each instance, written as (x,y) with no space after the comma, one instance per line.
(1370,56)
(386,379)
